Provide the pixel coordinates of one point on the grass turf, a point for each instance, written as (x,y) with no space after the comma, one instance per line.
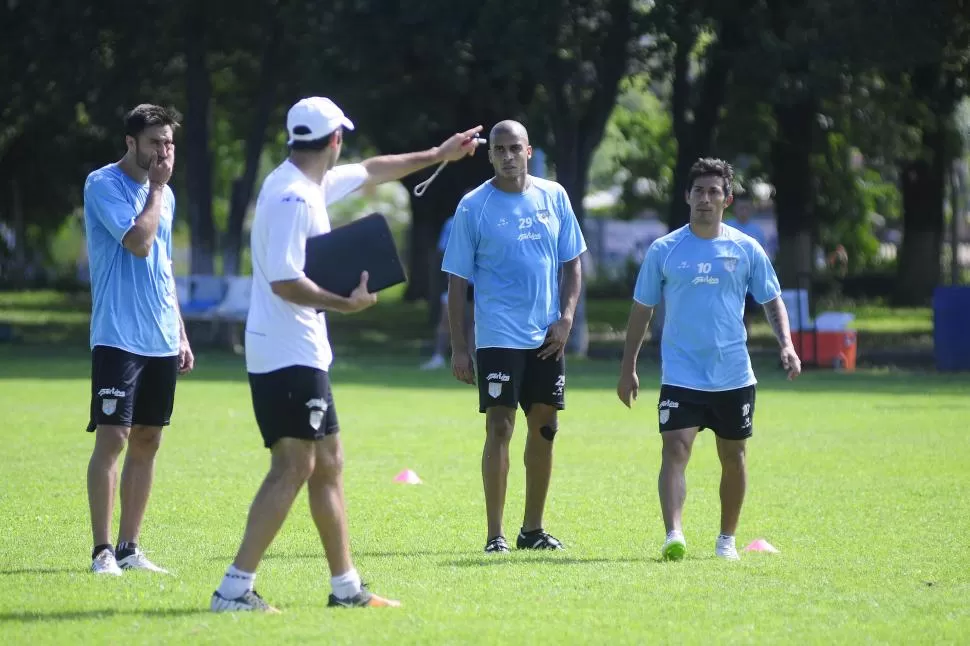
(859,479)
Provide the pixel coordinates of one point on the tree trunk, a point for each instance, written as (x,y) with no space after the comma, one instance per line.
(923,184)
(199,161)
(696,137)
(242,186)
(795,189)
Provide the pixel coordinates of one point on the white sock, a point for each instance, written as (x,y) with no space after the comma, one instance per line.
(675,533)
(346,585)
(724,538)
(236,583)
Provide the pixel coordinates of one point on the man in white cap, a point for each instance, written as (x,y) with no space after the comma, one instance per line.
(288,354)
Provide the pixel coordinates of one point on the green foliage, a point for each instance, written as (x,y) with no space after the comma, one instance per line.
(638,150)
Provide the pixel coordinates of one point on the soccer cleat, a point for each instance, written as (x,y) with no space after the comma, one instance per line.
(138,561)
(537,540)
(725,548)
(363,599)
(675,547)
(248,602)
(105,563)
(497,545)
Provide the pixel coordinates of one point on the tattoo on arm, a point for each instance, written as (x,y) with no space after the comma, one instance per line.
(777,316)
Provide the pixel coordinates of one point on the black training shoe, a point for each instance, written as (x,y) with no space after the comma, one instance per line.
(496,545)
(537,540)
(363,599)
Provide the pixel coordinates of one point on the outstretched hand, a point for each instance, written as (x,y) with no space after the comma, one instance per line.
(459,145)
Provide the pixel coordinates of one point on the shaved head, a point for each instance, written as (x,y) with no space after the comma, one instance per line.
(509,127)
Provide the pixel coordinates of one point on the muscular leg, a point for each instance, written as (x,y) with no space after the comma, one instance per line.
(672,483)
(136,479)
(538,463)
(499,424)
(291,466)
(326,493)
(109,441)
(734,478)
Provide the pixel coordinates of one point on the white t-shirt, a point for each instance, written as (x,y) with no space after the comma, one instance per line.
(290,208)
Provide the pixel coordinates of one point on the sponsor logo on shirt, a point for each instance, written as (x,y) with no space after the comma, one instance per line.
(497,376)
(705,280)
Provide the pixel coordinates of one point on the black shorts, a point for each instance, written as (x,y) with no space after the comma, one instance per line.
(510,377)
(295,401)
(129,389)
(729,413)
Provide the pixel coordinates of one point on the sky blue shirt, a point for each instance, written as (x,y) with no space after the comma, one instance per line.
(703,284)
(133,299)
(512,245)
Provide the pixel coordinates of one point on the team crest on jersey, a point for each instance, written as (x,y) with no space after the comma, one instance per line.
(730,264)
(664,415)
(494,389)
(542,215)
(109,406)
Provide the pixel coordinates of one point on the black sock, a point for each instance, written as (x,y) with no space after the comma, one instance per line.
(126,549)
(98,549)
(531,532)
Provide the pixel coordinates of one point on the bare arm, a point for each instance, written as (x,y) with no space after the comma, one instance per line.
(457,288)
(387,168)
(572,281)
(636,330)
(777,315)
(303,291)
(141,237)
(628,385)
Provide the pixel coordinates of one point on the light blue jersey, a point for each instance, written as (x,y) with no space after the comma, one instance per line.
(703,284)
(133,299)
(511,245)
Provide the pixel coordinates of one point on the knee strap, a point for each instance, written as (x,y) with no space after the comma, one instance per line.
(548,432)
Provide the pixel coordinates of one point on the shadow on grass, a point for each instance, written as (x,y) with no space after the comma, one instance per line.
(40,570)
(355,554)
(31,616)
(367,368)
(508,559)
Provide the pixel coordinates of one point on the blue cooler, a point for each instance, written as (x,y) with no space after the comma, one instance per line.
(951,328)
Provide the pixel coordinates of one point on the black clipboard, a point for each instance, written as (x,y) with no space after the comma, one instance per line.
(335,260)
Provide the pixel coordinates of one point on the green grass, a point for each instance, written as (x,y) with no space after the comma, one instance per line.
(859,479)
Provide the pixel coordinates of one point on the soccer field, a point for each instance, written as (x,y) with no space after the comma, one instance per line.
(860,480)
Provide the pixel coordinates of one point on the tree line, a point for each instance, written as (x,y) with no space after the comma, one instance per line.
(794,86)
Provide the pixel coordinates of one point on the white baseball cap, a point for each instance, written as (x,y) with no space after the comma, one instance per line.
(313,118)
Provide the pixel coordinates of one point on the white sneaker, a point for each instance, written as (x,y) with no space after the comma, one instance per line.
(105,563)
(675,547)
(725,548)
(434,363)
(138,561)
(250,601)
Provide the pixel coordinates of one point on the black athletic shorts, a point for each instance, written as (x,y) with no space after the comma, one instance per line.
(510,377)
(729,413)
(295,401)
(129,389)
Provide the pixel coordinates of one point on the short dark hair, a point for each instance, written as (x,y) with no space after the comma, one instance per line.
(147,115)
(314,144)
(711,167)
